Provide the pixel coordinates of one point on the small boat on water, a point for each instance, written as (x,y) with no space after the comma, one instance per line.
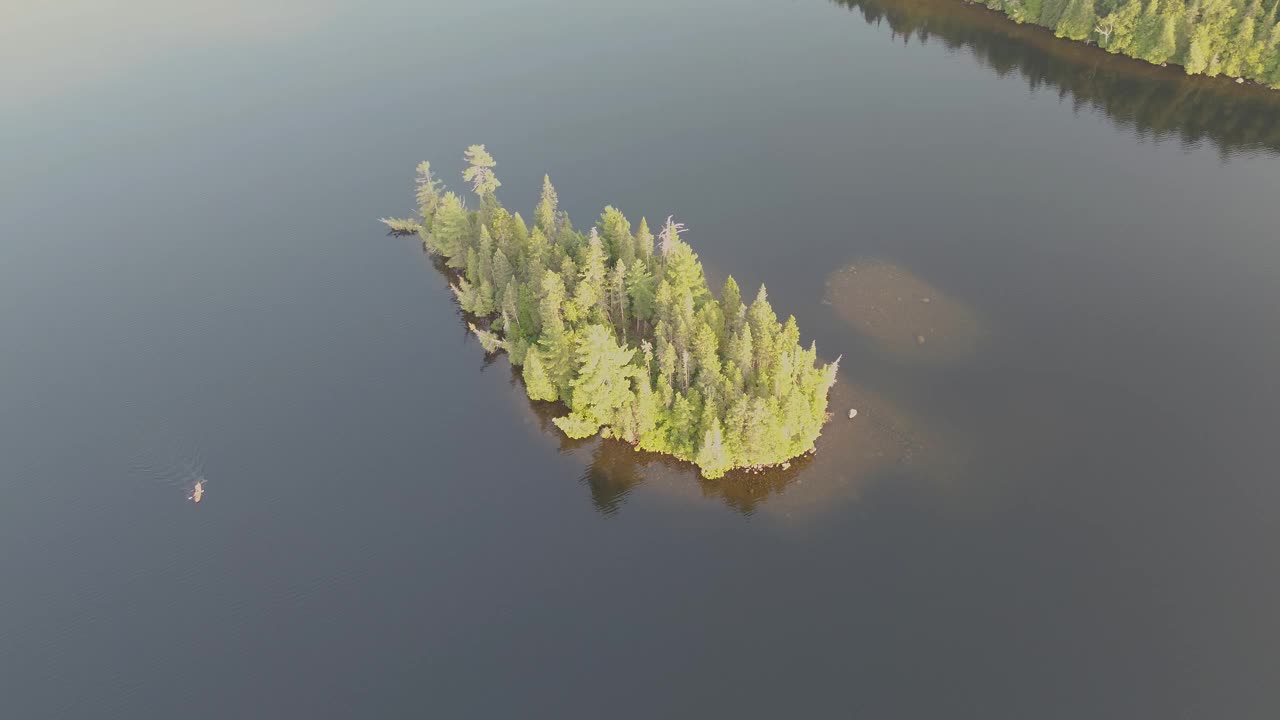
(198,491)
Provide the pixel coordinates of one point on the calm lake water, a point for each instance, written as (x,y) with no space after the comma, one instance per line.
(1061,504)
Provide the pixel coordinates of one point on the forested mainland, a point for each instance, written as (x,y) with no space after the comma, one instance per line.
(619,325)
(1236,38)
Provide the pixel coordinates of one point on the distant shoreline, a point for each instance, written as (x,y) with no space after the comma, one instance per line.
(1266,41)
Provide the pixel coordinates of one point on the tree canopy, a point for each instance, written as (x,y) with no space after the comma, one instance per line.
(1236,38)
(626,335)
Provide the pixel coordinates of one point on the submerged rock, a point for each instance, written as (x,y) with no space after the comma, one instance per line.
(869,301)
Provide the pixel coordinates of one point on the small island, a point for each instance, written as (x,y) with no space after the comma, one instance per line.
(620,327)
(1236,38)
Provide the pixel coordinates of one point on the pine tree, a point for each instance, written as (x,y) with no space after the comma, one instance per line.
(569,274)
(617,296)
(530,318)
(616,231)
(684,272)
(644,241)
(644,407)
(1051,12)
(518,234)
(603,384)
(731,303)
(536,381)
(480,171)
(544,216)
(451,230)
(471,269)
(556,343)
(641,289)
(1120,27)
(485,303)
(744,354)
(713,459)
(705,356)
(427,194)
(499,223)
(501,271)
(763,323)
(509,306)
(590,292)
(735,422)
(1157,38)
(484,254)
(666,372)
(1077,21)
(681,425)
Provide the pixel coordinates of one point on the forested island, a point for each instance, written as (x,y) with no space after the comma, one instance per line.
(1236,38)
(621,327)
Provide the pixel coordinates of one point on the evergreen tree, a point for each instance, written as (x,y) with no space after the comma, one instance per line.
(1118,27)
(538,249)
(603,384)
(644,408)
(480,171)
(1157,38)
(742,353)
(617,296)
(501,272)
(616,231)
(684,272)
(427,194)
(644,241)
(1077,20)
(451,230)
(666,372)
(509,306)
(556,343)
(713,458)
(536,381)
(590,292)
(706,358)
(1051,12)
(731,303)
(518,234)
(763,323)
(641,290)
(544,216)
(471,269)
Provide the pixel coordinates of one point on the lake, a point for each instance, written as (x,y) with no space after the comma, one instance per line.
(1052,275)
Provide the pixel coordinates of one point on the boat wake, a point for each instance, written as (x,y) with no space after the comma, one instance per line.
(171,465)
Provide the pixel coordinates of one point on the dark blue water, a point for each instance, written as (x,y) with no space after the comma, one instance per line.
(1060,506)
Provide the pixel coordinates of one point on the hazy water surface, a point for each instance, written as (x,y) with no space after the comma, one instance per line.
(1059,504)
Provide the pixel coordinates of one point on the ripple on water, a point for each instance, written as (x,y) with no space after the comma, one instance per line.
(166,459)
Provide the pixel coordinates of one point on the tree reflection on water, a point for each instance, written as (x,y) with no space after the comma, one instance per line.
(1156,102)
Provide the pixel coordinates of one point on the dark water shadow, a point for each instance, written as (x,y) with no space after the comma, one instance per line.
(1155,102)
